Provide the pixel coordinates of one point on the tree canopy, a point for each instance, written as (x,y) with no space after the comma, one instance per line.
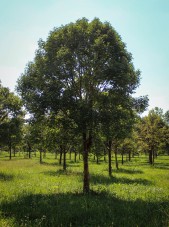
(81,68)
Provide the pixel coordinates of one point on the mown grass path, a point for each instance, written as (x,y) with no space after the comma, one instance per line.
(33,194)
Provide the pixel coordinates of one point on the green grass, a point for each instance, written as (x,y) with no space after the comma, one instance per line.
(44,195)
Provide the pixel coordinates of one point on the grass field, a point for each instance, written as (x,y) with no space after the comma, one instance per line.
(33,194)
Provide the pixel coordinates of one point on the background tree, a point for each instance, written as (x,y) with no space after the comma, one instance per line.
(150,131)
(11,119)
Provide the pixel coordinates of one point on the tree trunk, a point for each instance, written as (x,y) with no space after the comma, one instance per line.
(40,156)
(64,159)
(129,155)
(109,156)
(97,159)
(55,154)
(29,147)
(150,157)
(75,156)
(86,147)
(104,155)
(79,155)
(153,155)
(70,155)
(44,154)
(10,151)
(60,159)
(14,151)
(122,158)
(115,152)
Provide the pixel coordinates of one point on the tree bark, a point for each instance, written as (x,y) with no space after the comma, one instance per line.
(109,156)
(153,155)
(86,147)
(55,154)
(97,158)
(150,157)
(75,156)
(14,151)
(64,159)
(10,151)
(104,155)
(60,159)
(122,158)
(115,151)
(129,155)
(40,156)
(29,150)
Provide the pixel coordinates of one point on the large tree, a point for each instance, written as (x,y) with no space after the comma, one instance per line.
(78,66)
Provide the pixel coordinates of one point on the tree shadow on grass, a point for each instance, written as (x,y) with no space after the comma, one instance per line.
(161,165)
(49,164)
(99,179)
(63,172)
(57,164)
(6,177)
(76,209)
(129,171)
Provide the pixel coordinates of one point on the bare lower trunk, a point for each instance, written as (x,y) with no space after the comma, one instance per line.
(122,158)
(55,154)
(75,156)
(153,156)
(129,155)
(109,156)
(150,157)
(60,159)
(104,155)
(40,156)
(117,166)
(64,159)
(10,151)
(97,159)
(14,151)
(86,147)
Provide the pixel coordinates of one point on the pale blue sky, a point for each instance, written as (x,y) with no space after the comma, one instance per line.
(142,24)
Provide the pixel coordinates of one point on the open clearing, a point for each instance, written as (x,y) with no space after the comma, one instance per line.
(34,194)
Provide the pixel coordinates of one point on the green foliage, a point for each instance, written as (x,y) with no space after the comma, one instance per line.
(11,118)
(153,132)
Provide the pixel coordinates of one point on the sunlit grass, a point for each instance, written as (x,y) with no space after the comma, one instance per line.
(34,194)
